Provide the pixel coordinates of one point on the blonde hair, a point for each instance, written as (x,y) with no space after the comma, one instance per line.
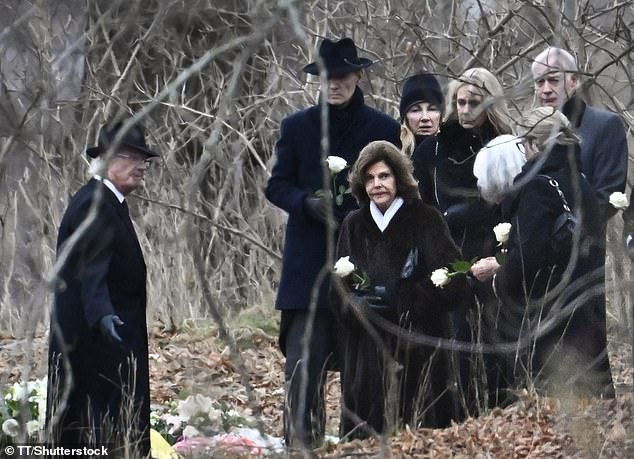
(545,127)
(400,165)
(408,139)
(493,103)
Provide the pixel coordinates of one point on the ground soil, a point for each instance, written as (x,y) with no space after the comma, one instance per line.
(194,360)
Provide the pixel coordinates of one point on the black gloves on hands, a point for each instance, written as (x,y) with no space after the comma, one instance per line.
(107,328)
(377,297)
(316,208)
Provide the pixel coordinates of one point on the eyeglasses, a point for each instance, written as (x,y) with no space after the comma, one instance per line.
(520,146)
(137,159)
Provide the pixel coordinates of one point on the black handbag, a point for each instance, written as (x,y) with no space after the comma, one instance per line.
(566,224)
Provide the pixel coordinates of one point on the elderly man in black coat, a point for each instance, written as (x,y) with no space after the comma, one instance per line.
(98,390)
(296,177)
(603,141)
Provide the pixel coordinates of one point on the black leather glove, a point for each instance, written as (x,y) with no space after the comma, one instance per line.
(377,297)
(316,208)
(107,328)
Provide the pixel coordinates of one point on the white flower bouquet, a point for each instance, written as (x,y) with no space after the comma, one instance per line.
(29,394)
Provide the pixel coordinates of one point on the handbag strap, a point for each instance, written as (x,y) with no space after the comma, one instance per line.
(552,182)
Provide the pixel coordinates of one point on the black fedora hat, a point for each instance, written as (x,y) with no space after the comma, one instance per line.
(340,58)
(133,138)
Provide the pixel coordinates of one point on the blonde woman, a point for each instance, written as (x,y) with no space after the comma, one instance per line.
(476,113)
(552,297)
(421,108)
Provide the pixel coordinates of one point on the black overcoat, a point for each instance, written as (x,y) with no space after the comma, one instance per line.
(603,150)
(572,356)
(425,379)
(104,274)
(443,166)
(298,173)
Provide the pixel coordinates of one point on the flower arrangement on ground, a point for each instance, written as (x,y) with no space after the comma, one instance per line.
(23,411)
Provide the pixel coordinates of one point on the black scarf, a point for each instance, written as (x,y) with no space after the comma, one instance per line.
(340,119)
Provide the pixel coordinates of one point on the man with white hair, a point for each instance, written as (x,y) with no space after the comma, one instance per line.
(603,142)
(603,148)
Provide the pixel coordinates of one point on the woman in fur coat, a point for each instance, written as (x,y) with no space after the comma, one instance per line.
(394,242)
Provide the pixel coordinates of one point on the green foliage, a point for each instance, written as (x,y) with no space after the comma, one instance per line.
(462,266)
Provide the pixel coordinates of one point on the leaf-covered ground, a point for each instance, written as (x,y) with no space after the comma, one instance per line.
(194,360)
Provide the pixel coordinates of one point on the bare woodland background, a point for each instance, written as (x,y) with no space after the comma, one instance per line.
(211,80)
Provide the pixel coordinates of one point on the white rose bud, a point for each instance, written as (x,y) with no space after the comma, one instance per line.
(440,277)
(344,267)
(32,427)
(336,164)
(502,231)
(11,427)
(619,200)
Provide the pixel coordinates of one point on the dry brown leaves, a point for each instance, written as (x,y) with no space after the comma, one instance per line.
(524,430)
(199,363)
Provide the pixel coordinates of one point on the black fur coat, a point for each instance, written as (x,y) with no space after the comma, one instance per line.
(372,392)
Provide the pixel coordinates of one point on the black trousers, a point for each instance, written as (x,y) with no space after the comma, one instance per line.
(305,407)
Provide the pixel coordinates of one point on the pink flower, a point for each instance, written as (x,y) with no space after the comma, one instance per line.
(227,443)
(189,445)
(231,443)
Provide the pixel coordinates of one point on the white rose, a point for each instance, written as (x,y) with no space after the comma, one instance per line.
(344,267)
(19,391)
(440,277)
(619,200)
(32,427)
(336,164)
(11,427)
(191,431)
(502,231)
(193,405)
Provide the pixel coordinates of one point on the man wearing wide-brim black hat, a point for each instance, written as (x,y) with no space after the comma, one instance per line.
(98,335)
(293,186)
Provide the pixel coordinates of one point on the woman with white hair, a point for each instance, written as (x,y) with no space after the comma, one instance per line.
(496,166)
(547,281)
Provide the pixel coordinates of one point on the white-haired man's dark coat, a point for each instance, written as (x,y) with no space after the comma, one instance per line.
(104,274)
